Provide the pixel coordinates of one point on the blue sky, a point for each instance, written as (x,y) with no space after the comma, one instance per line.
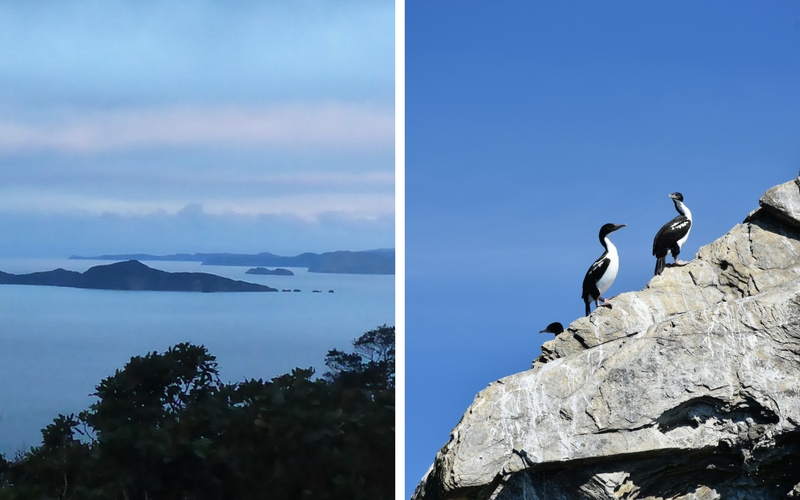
(196,126)
(531,124)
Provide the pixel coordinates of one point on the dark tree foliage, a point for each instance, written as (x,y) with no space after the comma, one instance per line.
(165,427)
(53,470)
(370,366)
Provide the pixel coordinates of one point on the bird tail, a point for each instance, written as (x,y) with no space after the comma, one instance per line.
(588,309)
(660,264)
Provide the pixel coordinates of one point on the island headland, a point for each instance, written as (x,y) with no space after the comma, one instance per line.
(133,275)
(380,261)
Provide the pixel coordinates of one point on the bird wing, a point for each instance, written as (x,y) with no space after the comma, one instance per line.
(594,273)
(670,233)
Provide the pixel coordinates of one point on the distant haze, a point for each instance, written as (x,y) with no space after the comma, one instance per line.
(160,233)
(176,127)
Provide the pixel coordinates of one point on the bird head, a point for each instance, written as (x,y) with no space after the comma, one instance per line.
(676,196)
(609,228)
(553,328)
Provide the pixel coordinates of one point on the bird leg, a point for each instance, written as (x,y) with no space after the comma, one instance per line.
(605,302)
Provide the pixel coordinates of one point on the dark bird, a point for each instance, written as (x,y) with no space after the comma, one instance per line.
(553,328)
(602,273)
(672,235)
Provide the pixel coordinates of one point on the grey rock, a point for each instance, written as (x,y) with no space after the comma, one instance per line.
(688,389)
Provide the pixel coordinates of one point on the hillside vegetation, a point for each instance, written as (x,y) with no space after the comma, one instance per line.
(166,427)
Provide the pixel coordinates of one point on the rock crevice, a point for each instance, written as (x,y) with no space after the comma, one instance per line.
(688,389)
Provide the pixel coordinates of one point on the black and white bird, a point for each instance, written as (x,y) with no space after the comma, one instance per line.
(602,273)
(672,235)
(555,328)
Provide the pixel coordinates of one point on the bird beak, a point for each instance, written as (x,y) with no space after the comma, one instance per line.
(620,226)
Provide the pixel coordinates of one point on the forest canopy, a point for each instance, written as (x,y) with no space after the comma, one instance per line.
(166,427)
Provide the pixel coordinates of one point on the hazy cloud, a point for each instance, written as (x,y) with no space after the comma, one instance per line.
(190,230)
(305,206)
(123,52)
(173,126)
(332,125)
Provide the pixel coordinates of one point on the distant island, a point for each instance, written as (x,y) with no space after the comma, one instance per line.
(133,275)
(270,272)
(379,261)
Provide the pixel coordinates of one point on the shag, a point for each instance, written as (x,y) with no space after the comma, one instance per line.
(672,235)
(553,328)
(602,273)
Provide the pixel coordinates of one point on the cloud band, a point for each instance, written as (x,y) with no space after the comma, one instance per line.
(330,125)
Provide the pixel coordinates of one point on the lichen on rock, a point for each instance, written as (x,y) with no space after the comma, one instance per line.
(687,389)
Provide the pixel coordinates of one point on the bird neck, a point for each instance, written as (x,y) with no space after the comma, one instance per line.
(683,209)
(610,248)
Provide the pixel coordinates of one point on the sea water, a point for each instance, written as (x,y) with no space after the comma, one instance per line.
(57,344)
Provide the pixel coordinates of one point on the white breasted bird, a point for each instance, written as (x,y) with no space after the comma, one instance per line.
(602,273)
(672,235)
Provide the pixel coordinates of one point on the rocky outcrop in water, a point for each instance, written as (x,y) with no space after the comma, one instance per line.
(688,389)
(269,272)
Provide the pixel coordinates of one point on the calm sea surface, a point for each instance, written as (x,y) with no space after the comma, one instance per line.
(56,344)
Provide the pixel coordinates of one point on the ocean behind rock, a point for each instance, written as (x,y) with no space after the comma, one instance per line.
(688,389)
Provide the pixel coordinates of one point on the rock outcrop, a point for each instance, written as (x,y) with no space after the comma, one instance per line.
(688,389)
(269,272)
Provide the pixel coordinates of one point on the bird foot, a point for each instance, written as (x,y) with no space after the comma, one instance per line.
(680,263)
(604,302)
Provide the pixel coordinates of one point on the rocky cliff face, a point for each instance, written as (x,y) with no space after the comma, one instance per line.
(688,389)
